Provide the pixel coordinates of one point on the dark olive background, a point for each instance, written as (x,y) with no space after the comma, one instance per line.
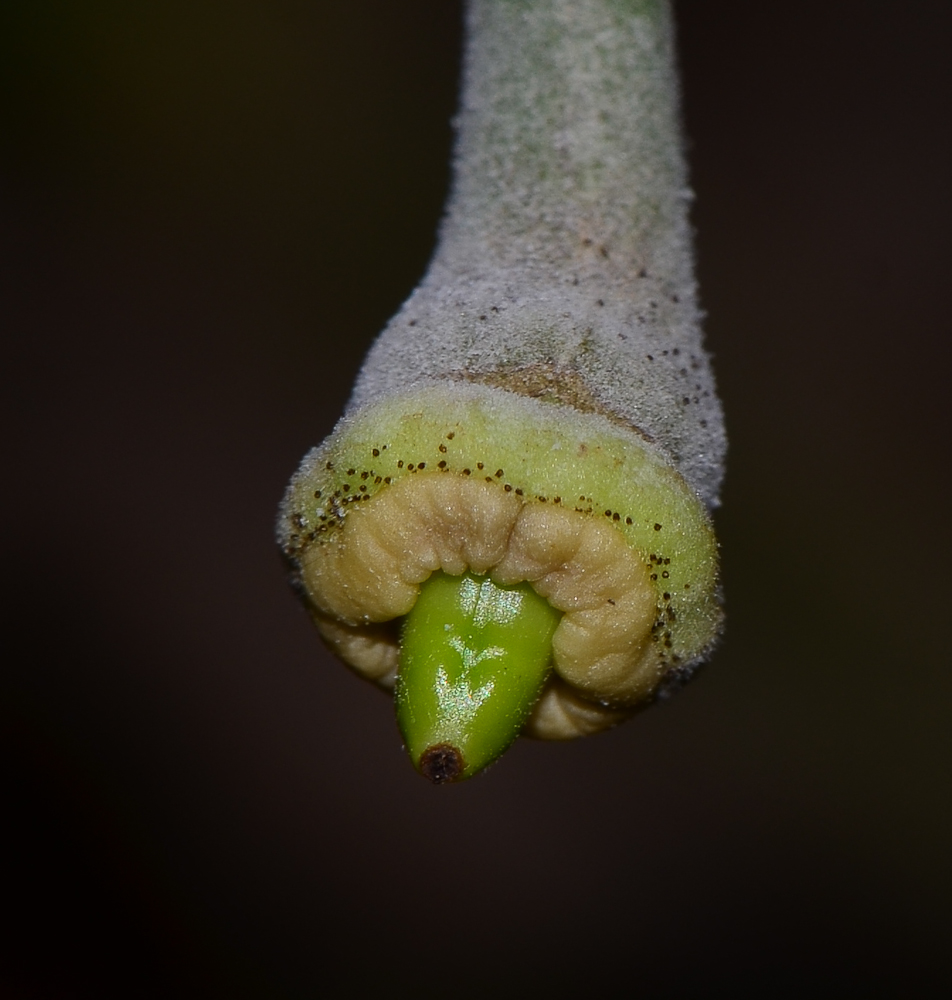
(207,210)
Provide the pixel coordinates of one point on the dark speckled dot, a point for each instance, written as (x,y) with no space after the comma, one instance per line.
(422,465)
(376,453)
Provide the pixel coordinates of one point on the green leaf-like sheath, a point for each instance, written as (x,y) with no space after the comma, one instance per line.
(474,656)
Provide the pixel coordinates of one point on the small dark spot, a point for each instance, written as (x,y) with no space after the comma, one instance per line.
(665,574)
(650,357)
(667,562)
(376,453)
(364,474)
(541,499)
(601,302)
(483,316)
(422,465)
(480,466)
(557,500)
(687,586)
(400,464)
(616,516)
(703,423)
(518,493)
(494,309)
(387,480)
(499,473)
(608,513)
(346,487)
(654,576)
(628,520)
(675,298)
(657,527)
(351,472)
(443,448)
(611,602)
(467,472)
(441,763)
(587,242)
(412,322)
(676,351)
(451,435)
(441,465)
(363,489)
(603,251)
(377,480)
(686,401)
(410,467)
(317,494)
(489,479)
(507,488)
(666,596)
(643,273)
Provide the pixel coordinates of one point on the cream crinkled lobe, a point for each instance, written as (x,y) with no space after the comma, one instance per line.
(461,478)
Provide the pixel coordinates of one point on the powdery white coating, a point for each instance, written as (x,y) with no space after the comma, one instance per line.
(371,572)
(564,265)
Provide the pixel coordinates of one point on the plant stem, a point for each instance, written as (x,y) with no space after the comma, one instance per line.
(565,254)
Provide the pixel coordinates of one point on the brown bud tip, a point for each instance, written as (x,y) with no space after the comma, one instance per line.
(441,762)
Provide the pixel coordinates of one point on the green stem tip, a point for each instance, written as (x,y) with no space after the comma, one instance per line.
(473,658)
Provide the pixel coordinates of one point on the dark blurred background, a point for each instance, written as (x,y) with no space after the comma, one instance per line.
(207,210)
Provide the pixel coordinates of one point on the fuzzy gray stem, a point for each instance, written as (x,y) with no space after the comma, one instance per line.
(564,266)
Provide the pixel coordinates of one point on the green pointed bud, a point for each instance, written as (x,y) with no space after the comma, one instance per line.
(473,659)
